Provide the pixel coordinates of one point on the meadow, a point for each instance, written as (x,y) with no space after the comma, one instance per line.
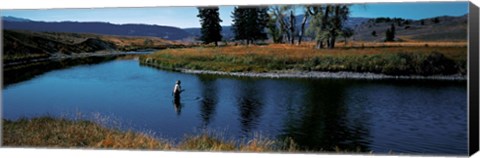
(434,58)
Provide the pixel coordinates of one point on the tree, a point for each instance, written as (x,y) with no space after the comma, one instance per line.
(436,20)
(422,22)
(340,15)
(239,23)
(291,26)
(390,33)
(250,23)
(347,33)
(302,27)
(261,23)
(274,30)
(327,23)
(210,21)
(374,33)
(280,15)
(318,23)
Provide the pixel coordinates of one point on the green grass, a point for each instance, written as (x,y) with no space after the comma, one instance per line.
(404,60)
(63,133)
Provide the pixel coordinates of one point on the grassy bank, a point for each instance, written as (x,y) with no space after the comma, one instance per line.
(20,46)
(399,60)
(52,132)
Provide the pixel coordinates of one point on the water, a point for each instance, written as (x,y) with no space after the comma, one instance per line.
(409,116)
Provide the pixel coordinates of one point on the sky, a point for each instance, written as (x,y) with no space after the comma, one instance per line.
(185,17)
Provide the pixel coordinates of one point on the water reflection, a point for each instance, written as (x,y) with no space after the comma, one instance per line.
(250,105)
(23,72)
(209,101)
(177,105)
(320,124)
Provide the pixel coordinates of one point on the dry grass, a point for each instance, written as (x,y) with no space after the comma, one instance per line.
(62,133)
(140,42)
(49,132)
(420,60)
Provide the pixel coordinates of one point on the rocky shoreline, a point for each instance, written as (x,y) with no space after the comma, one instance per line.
(314,74)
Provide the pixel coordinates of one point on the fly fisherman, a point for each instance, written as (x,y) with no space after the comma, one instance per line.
(177,90)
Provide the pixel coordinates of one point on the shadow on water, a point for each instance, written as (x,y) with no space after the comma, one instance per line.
(319,124)
(209,101)
(250,106)
(24,72)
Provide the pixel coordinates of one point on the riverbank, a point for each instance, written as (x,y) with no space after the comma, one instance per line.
(283,61)
(61,56)
(315,74)
(62,133)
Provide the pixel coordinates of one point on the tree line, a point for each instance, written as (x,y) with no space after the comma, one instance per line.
(326,24)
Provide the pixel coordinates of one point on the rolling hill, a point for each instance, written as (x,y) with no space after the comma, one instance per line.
(165,32)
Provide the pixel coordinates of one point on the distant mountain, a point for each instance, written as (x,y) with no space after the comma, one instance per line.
(227,32)
(165,32)
(15,19)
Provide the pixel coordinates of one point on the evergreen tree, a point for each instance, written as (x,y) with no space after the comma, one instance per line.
(249,23)
(261,23)
(390,34)
(239,23)
(210,21)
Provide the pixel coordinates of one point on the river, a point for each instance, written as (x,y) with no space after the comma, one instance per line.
(399,116)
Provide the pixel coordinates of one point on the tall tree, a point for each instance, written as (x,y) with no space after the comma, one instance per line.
(285,21)
(340,15)
(261,23)
(249,23)
(316,28)
(239,23)
(210,21)
(279,14)
(291,24)
(302,27)
(327,22)
(274,28)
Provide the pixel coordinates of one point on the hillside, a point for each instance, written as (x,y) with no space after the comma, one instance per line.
(29,45)
(165,32)
(446,28)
